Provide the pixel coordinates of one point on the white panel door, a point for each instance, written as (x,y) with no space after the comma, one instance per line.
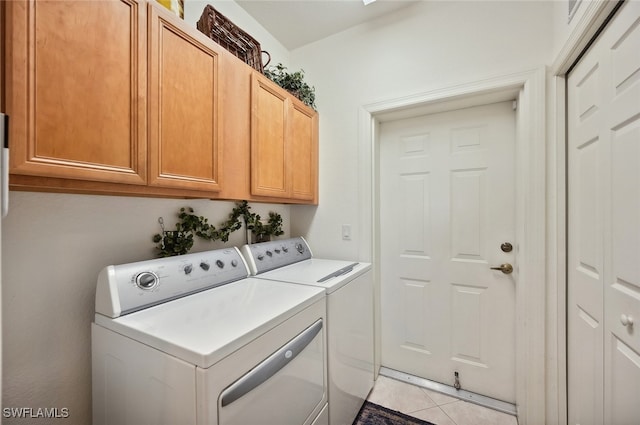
(447,204)
(604,227)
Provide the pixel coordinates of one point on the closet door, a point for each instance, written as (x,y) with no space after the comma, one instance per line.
(585,260)
(604,226)
(622,225)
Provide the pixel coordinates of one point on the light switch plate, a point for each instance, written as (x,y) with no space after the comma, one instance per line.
(346,232)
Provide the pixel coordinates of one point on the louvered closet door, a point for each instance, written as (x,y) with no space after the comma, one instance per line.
(604,227)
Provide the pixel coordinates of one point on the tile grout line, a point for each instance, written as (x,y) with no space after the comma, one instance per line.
(436,405)
(430,399)
(439,408)
(447,415)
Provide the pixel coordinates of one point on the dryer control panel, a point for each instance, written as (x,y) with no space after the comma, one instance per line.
(126,288)
(265,256)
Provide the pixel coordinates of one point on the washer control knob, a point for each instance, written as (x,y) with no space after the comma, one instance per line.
(147,280)
(204,266)
(260,257)
(234,263)
(220,264)
(188,269)
(285,249)
(300,248)
(277,251)
(269,253)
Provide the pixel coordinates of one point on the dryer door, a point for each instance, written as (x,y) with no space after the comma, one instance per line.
(285,388)
(279,378)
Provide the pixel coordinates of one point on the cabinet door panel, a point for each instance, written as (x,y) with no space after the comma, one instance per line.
(269,148)
(183,95)
(304,145)
(77,74)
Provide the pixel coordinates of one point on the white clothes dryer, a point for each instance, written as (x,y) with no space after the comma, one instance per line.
(349,290)
(192,340)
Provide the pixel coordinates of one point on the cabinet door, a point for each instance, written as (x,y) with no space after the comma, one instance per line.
(76,83)
(304,146)
(183,113)
(270,154)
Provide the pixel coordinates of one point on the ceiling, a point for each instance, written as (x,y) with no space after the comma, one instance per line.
(298,22)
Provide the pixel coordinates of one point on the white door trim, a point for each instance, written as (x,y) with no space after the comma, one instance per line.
(529,88)
(594,16)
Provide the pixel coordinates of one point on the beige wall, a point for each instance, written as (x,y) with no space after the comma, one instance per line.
(423,47)
(229,8)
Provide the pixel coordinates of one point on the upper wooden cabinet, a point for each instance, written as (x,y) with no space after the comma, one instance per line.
(123,97)
(75,89)
(184,150)
(284,144)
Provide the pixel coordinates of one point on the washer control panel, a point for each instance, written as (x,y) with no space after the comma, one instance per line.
(265,256)
(126,288)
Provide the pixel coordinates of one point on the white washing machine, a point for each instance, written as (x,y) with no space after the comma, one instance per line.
(349,291)
(192,340)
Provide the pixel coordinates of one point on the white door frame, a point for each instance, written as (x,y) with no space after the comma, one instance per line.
(592,18)
(529,89)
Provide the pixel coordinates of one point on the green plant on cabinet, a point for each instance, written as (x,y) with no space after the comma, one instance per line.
(293,82)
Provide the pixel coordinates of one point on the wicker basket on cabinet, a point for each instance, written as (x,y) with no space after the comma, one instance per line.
(220,29)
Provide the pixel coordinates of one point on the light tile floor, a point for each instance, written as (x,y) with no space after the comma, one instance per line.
(432,406)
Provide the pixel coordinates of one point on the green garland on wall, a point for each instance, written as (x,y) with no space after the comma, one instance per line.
(180,241)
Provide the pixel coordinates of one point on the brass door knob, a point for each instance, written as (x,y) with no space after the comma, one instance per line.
(505,268)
